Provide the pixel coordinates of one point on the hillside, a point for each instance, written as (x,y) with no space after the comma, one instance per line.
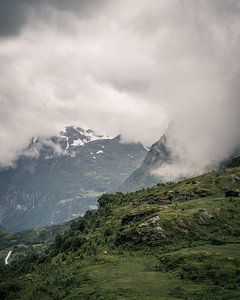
(59,178)
(27,242)
(171,241)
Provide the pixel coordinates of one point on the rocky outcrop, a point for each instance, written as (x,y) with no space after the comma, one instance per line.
(205,217)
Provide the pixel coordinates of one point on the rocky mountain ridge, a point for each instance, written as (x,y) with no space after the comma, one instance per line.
(59,178)
(158,155)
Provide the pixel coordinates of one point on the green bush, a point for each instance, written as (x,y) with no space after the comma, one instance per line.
(8,288)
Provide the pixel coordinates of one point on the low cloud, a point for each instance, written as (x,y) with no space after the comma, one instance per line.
(128,67)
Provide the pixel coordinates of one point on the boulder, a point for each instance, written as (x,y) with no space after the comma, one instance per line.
(151,200)
(205,217)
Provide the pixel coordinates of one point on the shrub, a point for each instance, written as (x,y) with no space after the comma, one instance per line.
(6,289)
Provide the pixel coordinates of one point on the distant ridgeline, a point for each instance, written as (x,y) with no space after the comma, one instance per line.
(59,178)
(172,241)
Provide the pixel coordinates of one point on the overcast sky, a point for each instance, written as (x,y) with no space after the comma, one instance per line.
(128,67)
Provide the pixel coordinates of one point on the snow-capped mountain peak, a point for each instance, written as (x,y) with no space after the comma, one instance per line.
(80,136)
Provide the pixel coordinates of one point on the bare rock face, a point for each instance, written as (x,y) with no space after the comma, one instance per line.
(158,155)
(151,230)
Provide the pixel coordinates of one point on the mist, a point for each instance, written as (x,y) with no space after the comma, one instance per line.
(124,67)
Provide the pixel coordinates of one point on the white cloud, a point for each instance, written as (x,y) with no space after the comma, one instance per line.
(130,68)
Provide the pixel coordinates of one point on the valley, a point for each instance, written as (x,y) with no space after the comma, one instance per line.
(170,241)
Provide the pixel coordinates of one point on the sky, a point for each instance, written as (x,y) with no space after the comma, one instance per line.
(130,67)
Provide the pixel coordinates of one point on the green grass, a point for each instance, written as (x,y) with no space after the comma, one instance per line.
(127,278)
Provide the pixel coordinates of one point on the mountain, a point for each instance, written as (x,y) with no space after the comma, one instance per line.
(59,178)
(172,241)
(142,177)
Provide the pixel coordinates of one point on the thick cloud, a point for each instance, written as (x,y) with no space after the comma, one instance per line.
(15,14)
(128,67)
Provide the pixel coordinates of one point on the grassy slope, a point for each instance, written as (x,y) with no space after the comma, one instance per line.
(130,249)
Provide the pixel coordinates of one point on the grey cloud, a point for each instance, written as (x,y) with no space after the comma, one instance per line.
(131,69)
(15,14)
(12,16)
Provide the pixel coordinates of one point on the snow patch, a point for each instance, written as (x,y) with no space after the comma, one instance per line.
(67,147)
(79,142)
(90,135)
(81,136)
